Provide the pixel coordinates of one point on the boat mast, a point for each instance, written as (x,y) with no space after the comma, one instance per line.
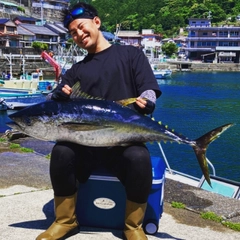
(9,58)
(23,65)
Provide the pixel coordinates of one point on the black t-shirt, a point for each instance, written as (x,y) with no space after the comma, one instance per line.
(116,73)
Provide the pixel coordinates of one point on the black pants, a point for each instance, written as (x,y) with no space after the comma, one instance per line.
(131,165)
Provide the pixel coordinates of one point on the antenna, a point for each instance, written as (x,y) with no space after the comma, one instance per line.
(209,15)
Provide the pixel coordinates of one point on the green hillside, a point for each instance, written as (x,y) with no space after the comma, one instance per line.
(164,16)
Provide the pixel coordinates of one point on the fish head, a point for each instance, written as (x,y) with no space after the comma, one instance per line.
(31,120)
(24,124)
(20,123)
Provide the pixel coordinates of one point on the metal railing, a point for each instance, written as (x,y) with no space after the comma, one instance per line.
(171,171)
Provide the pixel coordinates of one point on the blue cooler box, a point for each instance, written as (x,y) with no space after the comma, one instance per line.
(44,86)
(101,200)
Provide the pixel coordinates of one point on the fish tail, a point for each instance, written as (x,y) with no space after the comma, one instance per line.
(201,146)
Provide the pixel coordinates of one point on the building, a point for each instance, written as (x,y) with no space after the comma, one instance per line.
(151,43)
(8,33)
(41,34)
(209,43)
(24,19)
(129,37)
(48,9)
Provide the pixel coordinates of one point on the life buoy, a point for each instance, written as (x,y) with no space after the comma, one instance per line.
(49,87)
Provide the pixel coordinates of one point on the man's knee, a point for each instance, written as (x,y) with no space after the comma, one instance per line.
(138,156)
(62,155)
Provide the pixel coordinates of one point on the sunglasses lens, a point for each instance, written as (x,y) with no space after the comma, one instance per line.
(77,11)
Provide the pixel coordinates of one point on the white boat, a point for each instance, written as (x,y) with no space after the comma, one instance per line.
(222,186)
(27,81)
(162,73)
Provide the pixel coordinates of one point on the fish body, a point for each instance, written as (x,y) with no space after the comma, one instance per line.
(102,123)
(90,122)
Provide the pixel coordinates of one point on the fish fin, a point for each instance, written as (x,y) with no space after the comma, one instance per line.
(83,126)
(201,147)
(127,101)
(78,93)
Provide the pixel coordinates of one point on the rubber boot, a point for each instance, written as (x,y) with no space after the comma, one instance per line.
(65,224)
(134,216)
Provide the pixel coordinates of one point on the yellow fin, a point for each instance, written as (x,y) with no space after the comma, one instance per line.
(78,93)
(127,101)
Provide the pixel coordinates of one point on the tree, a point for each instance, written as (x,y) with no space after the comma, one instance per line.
(40,45)
(166,17)
(169,48)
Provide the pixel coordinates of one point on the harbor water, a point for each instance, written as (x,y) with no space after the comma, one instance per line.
(193,104)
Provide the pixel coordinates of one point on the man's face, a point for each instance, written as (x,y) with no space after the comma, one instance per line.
(85,33)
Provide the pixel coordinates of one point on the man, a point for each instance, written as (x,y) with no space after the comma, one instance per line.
(111,72)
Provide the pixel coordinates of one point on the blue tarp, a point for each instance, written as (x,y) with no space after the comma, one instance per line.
(109,36)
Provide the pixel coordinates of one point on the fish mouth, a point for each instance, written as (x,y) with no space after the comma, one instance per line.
(14,125)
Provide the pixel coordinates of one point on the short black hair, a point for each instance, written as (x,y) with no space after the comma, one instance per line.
(67,11)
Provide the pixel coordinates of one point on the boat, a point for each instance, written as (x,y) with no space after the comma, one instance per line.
(220,185)
(162,73)
(29,82)
(3,106)
(14,99)
(33,81)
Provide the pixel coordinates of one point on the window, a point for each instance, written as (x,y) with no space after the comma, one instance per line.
(193,33)
(223,34)
(233,33)
(204,33)
(11,29)
(204,44)
(228,44)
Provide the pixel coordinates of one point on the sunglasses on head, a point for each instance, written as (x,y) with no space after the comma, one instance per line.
(77,13)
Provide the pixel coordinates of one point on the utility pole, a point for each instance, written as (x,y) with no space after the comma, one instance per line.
(42,12)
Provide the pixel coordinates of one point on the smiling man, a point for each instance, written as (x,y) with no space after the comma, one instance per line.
(110,72)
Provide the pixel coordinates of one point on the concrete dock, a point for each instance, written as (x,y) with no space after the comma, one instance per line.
(26,201)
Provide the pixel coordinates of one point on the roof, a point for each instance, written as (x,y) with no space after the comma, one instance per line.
(55,28)
(8,4)
(220,48)
(60,25)
(132,34)
(38,29)
(3,20)
(23,31)
(23,18)
(7,22)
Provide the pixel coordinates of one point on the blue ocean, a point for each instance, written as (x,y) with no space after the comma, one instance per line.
(193,104)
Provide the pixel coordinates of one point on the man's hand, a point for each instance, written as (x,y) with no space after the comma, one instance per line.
(141,102)
(67,90)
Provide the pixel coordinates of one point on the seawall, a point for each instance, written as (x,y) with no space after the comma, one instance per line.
(197,66)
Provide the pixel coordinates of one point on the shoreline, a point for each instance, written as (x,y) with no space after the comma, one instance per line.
(29,190)
(197,66)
